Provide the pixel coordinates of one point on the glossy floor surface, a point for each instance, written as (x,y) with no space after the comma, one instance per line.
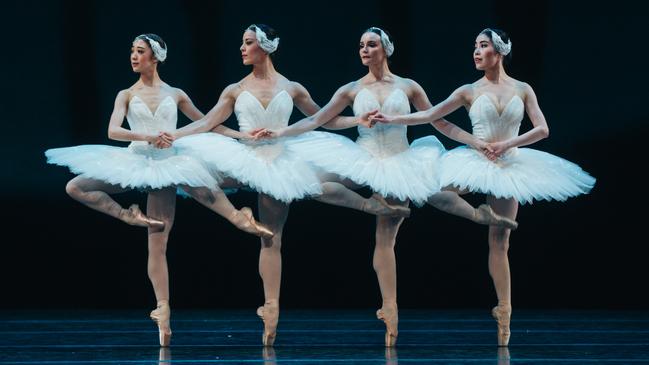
(323,337)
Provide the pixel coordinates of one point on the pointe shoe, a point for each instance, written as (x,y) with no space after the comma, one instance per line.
(502,314)
(161,316)
(487,215)
(385,208)
(390,316)
(270,315)
(250,225)
(134,216)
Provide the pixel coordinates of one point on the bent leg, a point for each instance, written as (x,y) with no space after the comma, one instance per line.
(216,200)
(340,192)
(449,201)
(94,194)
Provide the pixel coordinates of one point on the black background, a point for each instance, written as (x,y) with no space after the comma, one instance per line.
(64,62)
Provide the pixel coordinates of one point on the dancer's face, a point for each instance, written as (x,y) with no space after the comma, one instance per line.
(251,53)
(142,57)
(371,49)
(485,55)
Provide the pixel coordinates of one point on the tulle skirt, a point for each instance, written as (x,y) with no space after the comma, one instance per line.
(407,174)
(265,166)
(523,173)
(138,166)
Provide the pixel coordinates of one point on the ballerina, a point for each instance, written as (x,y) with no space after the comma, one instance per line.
(506,173)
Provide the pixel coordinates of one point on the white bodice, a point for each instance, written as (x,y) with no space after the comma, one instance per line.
(141,120)
(251,113)
(489,126)
(382,140)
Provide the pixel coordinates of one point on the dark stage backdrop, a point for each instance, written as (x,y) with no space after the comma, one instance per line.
(64,62)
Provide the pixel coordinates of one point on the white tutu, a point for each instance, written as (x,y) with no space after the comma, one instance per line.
(140,165)
(381,157)
(409,174)
(267,167)
(137,166)
(524,174)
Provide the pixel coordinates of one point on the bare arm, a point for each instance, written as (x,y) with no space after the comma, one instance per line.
(188,108)
(451,130)
(219,113)
(452,103)
(303,100)
(308,107)
(229,132)
(342,122)
(539,132)
(115,129)
(337,104)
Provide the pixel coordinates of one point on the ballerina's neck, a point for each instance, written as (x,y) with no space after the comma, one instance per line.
(264,70)
(496,74)
(380,72)
(150,78)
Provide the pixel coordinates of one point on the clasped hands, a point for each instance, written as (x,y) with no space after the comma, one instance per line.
(162,140)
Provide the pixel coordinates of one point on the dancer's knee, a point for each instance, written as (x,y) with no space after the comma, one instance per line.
(203,195)
(274,243)
(329,187)
(73,189)
(440,201)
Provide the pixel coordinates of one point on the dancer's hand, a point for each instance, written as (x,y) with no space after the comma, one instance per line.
(257,133)
(263,133)
(166,138)
(163,140)
(366,119)
(499,148)
(382,118)
(241,136)
(485,148)
(156,141)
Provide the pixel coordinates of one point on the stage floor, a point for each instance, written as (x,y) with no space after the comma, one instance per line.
(323,337)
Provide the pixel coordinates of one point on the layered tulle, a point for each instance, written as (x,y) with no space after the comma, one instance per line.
(524,174)
(408,174)
(268,166)
(137,166)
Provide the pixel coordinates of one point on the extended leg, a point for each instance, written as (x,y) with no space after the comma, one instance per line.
(161,204)
(385,266)
(499,266)
(273,214)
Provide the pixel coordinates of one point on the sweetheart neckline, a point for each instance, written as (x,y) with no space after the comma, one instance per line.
(259,102)
(494,104)
(153,114)
(381,104)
